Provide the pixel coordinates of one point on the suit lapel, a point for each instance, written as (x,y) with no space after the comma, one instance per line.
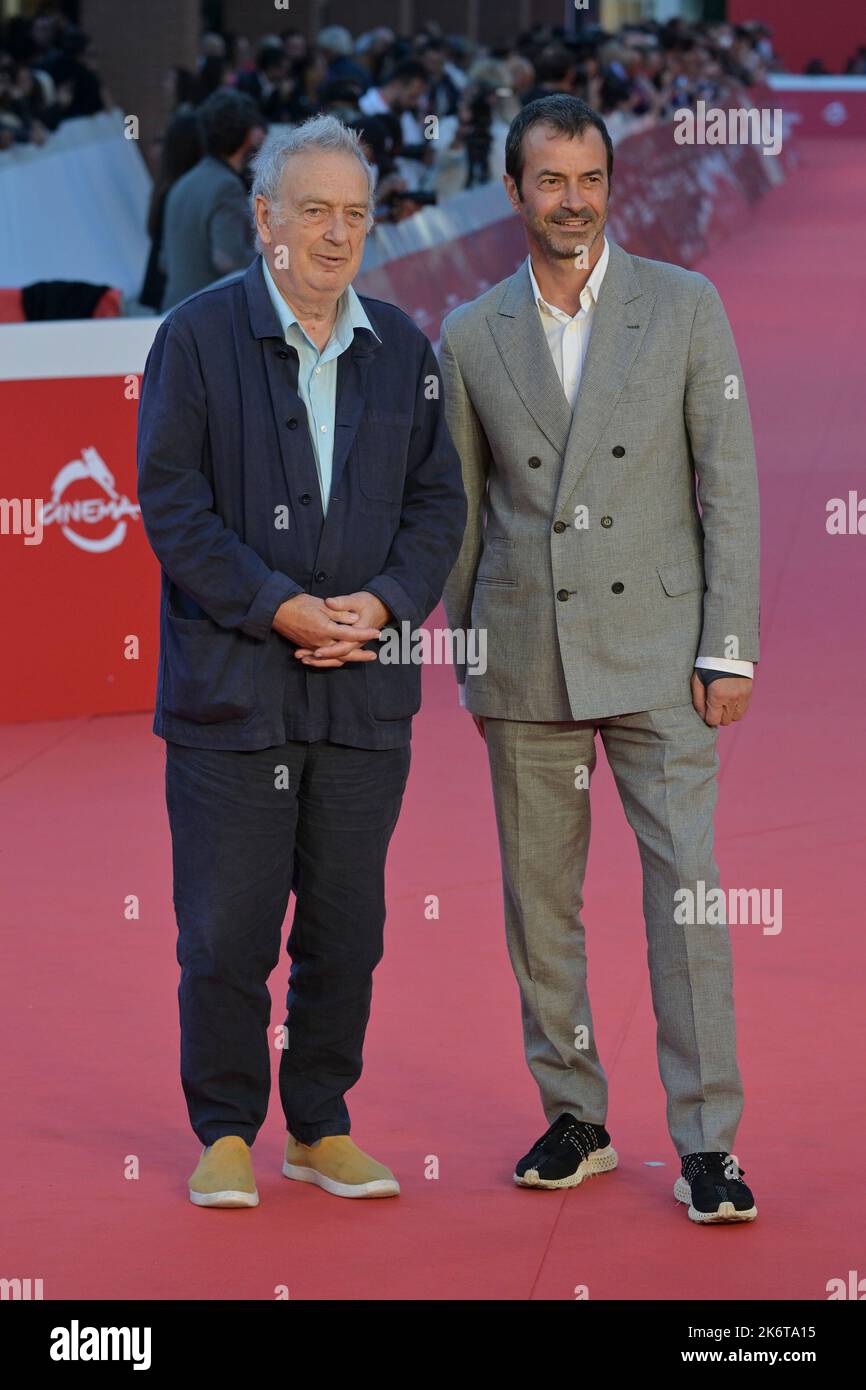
(619,323)
(522,345)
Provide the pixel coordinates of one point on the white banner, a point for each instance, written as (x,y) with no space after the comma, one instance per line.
(76,207)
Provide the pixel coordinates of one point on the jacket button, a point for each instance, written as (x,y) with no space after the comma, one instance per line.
(292,422)
(320,575)
(282,352)
(607,521)
(534,462)
(305,498)
(558,526)
(618,451)
(562,594)
(617,588)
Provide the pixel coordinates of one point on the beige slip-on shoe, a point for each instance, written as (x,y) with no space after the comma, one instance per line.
(224,1176)
(339,1166)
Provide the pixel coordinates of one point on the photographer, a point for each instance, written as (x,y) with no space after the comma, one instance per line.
(470,149)
(382,143)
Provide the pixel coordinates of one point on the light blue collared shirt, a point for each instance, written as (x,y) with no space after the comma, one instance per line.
(317,371)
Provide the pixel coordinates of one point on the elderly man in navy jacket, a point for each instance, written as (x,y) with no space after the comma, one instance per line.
(300,489)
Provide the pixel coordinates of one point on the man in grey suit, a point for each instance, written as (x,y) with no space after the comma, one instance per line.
(597,403)
(208,233)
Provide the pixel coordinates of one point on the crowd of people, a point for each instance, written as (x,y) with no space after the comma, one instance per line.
(388,85)
(640,73)
(432,109)
(645,70)
(46,77)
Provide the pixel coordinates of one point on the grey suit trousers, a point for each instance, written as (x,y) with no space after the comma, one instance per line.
(664,763)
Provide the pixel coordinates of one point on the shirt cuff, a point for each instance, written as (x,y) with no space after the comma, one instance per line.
(461,694)
(723,663)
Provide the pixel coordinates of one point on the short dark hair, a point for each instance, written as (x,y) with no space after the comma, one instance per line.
(554,63)
(569,115)
(269,55)
(409,70)
(226,119)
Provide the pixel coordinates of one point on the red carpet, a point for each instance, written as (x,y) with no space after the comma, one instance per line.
(89,998)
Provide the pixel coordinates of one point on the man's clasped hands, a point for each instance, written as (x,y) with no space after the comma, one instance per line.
(318,626)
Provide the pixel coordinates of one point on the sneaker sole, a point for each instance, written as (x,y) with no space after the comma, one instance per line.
(726,1213)
(226,1198)
(602,1161)
(379,1187)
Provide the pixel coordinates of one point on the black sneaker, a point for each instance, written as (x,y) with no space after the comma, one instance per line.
(712,1185)
(570,1151)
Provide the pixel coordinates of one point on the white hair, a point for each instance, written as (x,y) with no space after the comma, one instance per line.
(316,133)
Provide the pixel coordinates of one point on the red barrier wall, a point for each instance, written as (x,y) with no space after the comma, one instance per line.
(802,29)
(816,106)
(81,607)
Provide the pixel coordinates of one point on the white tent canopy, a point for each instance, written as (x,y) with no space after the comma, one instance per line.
(75,208)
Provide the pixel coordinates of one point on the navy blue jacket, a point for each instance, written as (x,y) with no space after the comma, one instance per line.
(224,457)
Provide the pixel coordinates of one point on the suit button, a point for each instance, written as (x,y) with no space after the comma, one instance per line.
(282,352)
(562,594)
(320,575)
(617,588)
(292,423)
(534,462)
(305,498)
(558,526)
(607,521)
(618,451)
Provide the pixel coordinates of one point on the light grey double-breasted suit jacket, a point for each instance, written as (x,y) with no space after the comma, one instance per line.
(597,577)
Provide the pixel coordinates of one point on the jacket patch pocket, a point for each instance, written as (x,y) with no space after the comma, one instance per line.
(208,671)
(496,566)
(382,445)
(393,689)
(682,578)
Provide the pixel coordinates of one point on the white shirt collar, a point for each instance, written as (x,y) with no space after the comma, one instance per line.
(592,286)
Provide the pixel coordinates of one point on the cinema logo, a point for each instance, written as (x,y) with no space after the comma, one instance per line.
(714,907)
(739,125)
(444,646)
(77,1343)
(79,517)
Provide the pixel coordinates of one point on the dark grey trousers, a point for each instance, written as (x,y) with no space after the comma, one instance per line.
(248,828)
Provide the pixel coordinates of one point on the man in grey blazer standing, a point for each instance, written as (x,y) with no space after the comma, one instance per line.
(208,233)
(611,554)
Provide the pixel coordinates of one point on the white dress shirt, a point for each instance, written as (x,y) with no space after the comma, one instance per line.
(568,339)
(568,335)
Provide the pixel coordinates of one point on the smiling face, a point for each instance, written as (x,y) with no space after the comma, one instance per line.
(320,220)
(564,191)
